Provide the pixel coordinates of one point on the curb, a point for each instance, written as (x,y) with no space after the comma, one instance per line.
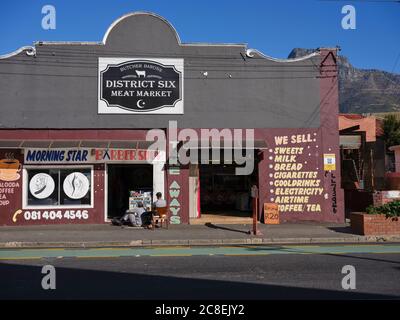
(197,242)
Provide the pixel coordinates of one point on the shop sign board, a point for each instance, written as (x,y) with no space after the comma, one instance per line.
(56,156)
(51,215)
(10,179)
(174,205)
(125,155)
(86,156)
(271,213)
(132,85)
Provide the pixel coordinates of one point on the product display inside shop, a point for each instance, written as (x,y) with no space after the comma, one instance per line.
(128,184)
(224,193)
(136,197)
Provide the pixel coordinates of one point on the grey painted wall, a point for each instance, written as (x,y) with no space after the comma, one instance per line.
(58,87)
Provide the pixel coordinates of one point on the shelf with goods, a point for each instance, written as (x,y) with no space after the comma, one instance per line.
(140,196)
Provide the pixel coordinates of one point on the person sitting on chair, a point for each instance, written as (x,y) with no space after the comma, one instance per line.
(159,203)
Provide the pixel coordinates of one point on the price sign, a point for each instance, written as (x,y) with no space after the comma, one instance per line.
(271,213)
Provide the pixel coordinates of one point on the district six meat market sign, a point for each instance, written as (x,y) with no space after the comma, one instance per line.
(133,85)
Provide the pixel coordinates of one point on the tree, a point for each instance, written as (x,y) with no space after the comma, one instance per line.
(391,130)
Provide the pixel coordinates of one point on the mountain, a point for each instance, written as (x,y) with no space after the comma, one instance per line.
(363,90)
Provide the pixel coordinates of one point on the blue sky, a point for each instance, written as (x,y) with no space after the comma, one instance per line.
(271,26)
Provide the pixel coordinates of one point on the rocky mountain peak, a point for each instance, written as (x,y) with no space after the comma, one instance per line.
(362,90)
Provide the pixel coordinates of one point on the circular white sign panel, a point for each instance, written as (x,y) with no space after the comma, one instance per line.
(76,185)
(41,185)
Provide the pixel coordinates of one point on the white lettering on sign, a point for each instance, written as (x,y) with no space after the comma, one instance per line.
(174,205)
(59,215)
(7,189)
(132,85)
(10,169)
(293,179)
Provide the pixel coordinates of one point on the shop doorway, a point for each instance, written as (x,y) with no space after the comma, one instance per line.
(225,196)
(123,178)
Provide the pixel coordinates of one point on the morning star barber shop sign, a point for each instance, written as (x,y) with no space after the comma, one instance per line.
(140,86)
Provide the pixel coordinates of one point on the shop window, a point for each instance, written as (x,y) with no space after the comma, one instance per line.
(43,187)
(59,187)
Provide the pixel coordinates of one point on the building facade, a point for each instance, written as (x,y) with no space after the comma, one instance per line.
(79,121)
(363,160)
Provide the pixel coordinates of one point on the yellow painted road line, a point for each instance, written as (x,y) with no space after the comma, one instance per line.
(32,249)
(21,258)
(105,249)
(246,254)
(265,253)
(171,255)
(362,245)
(96,257)
(302,246)
(172,247)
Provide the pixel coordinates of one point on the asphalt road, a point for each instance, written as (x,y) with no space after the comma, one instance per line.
(214,276)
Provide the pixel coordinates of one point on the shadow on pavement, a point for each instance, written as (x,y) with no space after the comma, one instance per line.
(346,229)
(24,282)
(213,226)
(289,249)
(346,255)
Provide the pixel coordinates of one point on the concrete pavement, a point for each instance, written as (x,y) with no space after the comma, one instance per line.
(109,236)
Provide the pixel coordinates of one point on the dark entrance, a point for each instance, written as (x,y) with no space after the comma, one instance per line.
(123,178)
(224,193)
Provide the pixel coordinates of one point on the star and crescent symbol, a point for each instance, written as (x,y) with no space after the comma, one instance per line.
(140,104)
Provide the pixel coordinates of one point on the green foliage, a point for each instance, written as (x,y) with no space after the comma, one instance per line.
(391,131)
(391,209)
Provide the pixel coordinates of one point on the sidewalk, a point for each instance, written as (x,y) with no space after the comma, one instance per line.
(107,235)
